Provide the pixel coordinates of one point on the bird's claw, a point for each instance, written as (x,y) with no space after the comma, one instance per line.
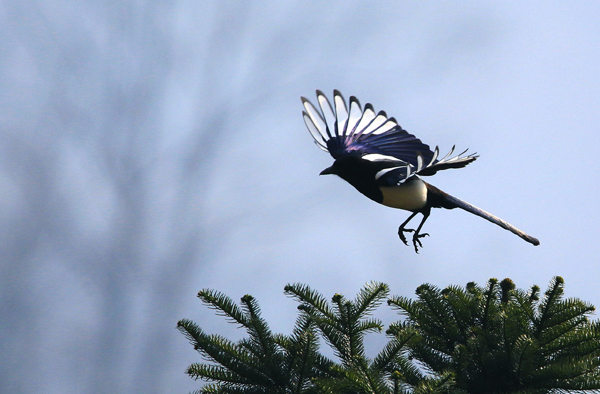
(401,232)
(417,242)
(415,239)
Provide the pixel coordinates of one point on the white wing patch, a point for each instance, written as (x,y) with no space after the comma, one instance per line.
(341,114)
(385,171)
(376,124)
(328,114)
(315,132)
(354,116)
(337,120)
(366,119)
(380,157)
(419,162)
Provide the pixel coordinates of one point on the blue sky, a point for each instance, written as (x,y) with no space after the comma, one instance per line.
(153,149)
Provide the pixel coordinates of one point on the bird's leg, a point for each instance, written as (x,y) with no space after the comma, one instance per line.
(417,235)
(402,230)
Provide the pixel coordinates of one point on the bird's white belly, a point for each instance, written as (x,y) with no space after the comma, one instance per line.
(410,196)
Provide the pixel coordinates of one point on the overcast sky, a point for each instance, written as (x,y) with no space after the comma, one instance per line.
(150,149)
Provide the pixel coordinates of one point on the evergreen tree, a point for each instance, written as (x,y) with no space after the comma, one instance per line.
(268,363)
(501,340)
(343,323)
(495,339)
(261,363)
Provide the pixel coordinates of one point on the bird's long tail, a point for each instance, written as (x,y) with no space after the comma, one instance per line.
(494,219)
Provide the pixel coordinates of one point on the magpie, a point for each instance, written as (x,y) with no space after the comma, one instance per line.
(385,163)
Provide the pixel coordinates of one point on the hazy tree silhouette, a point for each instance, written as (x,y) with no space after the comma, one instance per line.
(105,176)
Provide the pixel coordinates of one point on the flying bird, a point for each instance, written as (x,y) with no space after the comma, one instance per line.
(385,163)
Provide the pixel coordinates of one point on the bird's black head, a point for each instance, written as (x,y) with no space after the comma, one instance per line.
(329,170)
(342,167)
(359,173)
(349,167)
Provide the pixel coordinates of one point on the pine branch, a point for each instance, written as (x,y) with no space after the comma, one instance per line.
(223,352)
(215,373)
(224,305)
(261,342)
(521,357)
(438,322)
(370,298)
(551,297)
(463,306)
(391,354)
(490,297)
(307,296)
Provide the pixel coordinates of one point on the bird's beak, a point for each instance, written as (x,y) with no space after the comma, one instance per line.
(327,171)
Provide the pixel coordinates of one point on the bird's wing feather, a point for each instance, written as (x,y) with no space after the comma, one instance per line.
(350,130)
(342,130)
(447,162)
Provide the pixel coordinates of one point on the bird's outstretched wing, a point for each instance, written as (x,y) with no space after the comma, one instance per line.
(350,130)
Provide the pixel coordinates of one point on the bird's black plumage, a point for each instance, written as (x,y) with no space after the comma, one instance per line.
(385,162)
